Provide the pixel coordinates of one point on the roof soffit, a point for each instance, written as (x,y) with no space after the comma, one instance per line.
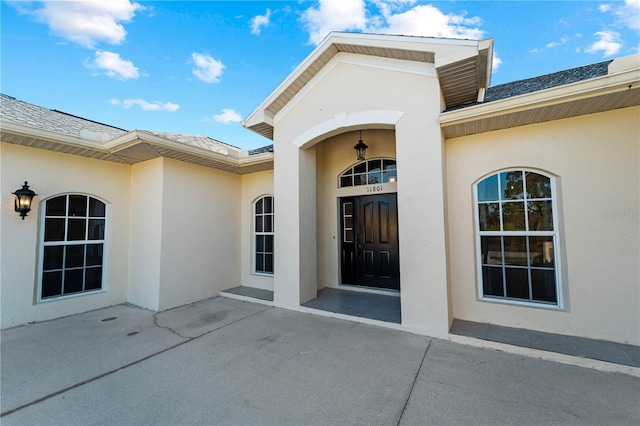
(134,147)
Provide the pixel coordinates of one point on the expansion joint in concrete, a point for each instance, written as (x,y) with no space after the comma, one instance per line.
(413,385)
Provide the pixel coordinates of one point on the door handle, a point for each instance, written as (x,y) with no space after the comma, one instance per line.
(359,249)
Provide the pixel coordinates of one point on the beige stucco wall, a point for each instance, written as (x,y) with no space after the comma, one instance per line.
(360,92)
(334,156)
(51,174)
(254,186)
(200,254)
(146,234)
(184,229)
(595,159)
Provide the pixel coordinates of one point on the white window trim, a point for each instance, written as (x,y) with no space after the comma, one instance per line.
(556,246)
(42,244)
(254,271)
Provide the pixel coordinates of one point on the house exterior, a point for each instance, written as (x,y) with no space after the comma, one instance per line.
(515,205)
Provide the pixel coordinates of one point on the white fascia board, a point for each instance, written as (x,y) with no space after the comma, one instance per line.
(257,117)
(570,92)
(28,131)
(152,139)
(398,65)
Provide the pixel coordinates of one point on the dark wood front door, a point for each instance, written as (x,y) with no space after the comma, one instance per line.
(369,255)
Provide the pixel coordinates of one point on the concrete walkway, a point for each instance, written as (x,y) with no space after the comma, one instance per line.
(224,361)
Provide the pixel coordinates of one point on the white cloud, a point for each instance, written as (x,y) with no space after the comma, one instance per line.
(496,61)
(259,21)
(421,20)
(629,14)
(563,40)
(113,65)
(207,68)
(427,20)
(609,43)
(144,105)
(334,15)
(604,8)
(227,116)
(85,22)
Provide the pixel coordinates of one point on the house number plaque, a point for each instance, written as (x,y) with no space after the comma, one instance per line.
(374,188)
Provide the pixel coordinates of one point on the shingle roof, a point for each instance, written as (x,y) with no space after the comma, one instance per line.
(560,78)
(198,141)
(268,148)
(20,112)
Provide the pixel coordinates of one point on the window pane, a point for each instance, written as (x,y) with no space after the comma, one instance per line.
(74,256)
(96,229)
(389,164)
(390,176)
(515,251)
(93,278)
(259,262)
(259,204)
(77,205)
(94,254)
(73,281)
(96,208)
(375,165)
(76,229)
(53,256)
(260,243)
(488,189)
(348,172)
(348,208)
(517,283)
(492,281)
(348,222)
(54,229)
(57,206)
(491,250)
(538,186)
(51,284)
(348,236)
(268,243)
(360,180)
(540,216)
(268,204)
(346,181)
(543,285)
(360,168)
(375,178)
(268,223)
(259,227)
(489,215)
(511,183)
(268,263)
(513,216)
(541,251)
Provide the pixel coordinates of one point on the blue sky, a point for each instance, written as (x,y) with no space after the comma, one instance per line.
(201,66)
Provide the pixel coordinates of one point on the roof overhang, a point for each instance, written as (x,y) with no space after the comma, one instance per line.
(606,93)
(463,66)
(134,147)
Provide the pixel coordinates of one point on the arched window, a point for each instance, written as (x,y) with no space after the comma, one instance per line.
(517,238)
(72,246)
(369,172)
(263,232)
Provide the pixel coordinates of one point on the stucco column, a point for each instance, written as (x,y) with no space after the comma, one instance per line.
(295,274)
(423,262)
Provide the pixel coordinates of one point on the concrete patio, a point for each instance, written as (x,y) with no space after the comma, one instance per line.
(224,361)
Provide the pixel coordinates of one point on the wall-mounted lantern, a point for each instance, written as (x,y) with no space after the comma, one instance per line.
(24,196)
(361,148)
